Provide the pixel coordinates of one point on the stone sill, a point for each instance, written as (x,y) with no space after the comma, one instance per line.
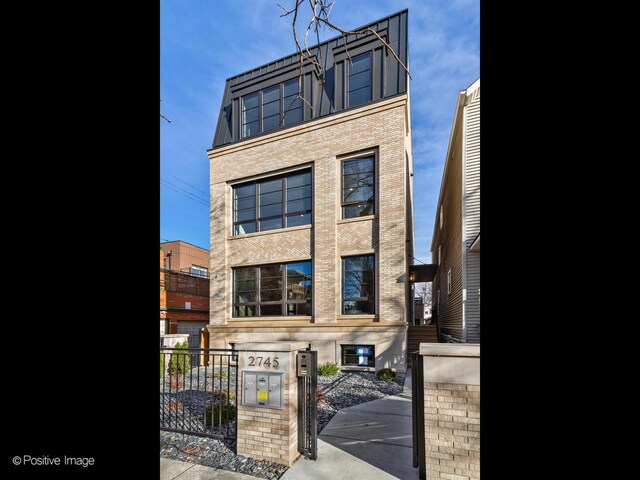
(357,219)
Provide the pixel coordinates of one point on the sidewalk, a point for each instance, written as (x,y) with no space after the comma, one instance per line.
(170,469)
(371,440)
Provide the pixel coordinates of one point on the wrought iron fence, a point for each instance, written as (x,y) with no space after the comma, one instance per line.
(199,391)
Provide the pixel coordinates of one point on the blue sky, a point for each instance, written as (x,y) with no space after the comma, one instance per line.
(203,42)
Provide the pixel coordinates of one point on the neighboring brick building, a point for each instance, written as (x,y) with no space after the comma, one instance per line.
(311,212)
(184,289)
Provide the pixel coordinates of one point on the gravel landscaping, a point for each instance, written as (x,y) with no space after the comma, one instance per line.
(341,391)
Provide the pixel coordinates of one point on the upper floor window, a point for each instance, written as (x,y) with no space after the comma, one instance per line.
(199,271)
(358,187)
(271,108)
(280,289)
(359,81)
(275,202)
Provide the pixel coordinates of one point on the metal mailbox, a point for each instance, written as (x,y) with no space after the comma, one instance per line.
(261,389)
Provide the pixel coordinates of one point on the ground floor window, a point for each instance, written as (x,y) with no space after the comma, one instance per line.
(359,355)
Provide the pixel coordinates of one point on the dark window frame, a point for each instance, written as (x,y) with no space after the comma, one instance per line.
(283,110)
(344,204)
(284,302)
(371,298)
(284,215)
(343,354)
(348,76)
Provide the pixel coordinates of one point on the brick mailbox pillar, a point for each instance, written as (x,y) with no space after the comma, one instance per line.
(268,401)
(452,410)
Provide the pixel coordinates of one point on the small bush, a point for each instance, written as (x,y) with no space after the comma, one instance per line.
(386,374)
(328,369)
(162,369)
(180,361)
(213,411)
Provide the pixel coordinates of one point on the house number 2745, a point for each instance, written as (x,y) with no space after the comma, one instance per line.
(261,361)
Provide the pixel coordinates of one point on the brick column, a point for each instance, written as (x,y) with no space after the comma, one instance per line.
(269,433)
(452,410)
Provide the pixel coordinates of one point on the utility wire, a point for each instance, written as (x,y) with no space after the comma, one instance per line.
(186,194)
(180,180)
(206,200)
(418,260)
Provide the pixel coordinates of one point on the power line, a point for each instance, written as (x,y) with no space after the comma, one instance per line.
(206,200)
(418,260)
(171,186)
(206,193)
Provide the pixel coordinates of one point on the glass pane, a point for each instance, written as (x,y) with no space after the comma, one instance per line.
(243,228)
(358,210)
(245,274)
(354,194)
(299,281)
(359,80)
(244,286)
(270,123)
(250,129)
(250,115)
(245,297)
(270,94)
(271,309)
(359,96)
(269,109)
(246,202)
(271,210)
(299,219)
(298,180)
(299,192)
(244,311)
(299,205)
(358,307)
(271,186)
(269,198)
(292,116)
(271,271)
(357,179)
(299,309)
(270,224)
(291,103)
(291,87)
(250,101)
(358,166)
(359,63)
(245,191)
(244,215)
(270,295)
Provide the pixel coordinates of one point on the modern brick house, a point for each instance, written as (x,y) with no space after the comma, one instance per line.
(455,247)
(311,203)
(184,289)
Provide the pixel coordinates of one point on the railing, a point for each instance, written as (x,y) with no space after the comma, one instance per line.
(199,391)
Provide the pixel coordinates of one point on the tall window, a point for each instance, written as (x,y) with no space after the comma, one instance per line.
(272,203)
(359,81)
(271,108)
(281,289)
(358,285)
(358,187)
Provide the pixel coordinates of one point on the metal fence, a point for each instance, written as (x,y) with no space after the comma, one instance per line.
(199,391)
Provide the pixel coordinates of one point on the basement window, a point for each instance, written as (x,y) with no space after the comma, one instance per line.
(358,355)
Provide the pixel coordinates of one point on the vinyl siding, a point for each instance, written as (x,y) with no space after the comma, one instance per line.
(450,238)
(472,215)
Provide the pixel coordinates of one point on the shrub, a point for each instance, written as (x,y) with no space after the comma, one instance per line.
(162,369)
(218,407)
(328,369)
(386,374)
(180,361)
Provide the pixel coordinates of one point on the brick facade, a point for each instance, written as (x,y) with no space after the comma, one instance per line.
(380,128)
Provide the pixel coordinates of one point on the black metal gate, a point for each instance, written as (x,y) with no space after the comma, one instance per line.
(308,409)
(417,414)
(199,391)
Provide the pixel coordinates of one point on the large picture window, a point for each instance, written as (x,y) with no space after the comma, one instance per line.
(359,355)
(272,203)
(358,285)
(271,108)
(281,289)
(358,187)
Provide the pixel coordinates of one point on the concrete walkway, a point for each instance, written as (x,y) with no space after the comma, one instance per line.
(372,440)
(170,469)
